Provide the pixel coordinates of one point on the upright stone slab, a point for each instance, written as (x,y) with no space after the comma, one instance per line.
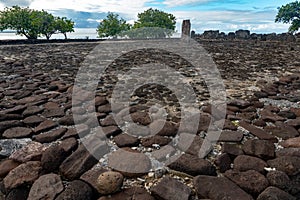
(186,29)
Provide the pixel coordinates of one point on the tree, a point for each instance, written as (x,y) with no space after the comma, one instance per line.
(112,26)
(19,19)
(290,13)
(33,23)
(64,25)
(158,19)
(44,22)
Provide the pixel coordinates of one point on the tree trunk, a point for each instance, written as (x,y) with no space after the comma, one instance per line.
(65,34)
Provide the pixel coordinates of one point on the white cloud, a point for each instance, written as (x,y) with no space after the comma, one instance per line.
(94,20)
(128,7)
(9,3)
(174,3)
(231,20)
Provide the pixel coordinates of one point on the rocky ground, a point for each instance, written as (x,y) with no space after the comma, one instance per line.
(43,157)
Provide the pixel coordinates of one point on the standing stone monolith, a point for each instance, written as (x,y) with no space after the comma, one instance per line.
(186,29)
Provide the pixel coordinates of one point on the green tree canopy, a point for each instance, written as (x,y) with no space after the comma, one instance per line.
(112,26)
(158,19)
(64,25)
(290,13)
(33,23)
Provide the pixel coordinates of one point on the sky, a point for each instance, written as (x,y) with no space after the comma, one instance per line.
(224,15)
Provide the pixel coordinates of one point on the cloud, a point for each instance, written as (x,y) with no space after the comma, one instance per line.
(231,20)
(22,3)
(204,14)
(126,7)
(174,3)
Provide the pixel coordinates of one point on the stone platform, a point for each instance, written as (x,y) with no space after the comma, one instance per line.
(43,157)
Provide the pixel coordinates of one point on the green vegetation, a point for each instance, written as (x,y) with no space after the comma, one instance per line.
(156,18)
(290,13)
(152,23)
(33,23)
(112,26)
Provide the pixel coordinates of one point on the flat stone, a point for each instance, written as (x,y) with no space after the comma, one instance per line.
(190,143)
(7,117)
(130,193)
(6,166)
(279,179)
(100,101)
(77,163)
(32,110)
(50,136)
(104,108)
(193,165)
(244,163)
(204,123)
(24,173)
(4,125)
(66,120)
(209,187)
(259,122)
(283,131)
(80,131)
(45,126)
(17,132)
(22,94)
(58,112)
(141,118)
(33,100)
(109,182)
(261,134)
(231,136)
(294,122)
(15,110)
(129,163)
(163,128)
(91,176)
(291,143)
(46,187)
(250,181)
(78,190)
(125,140)
(52,158)
(111,131)
(171,189)
(33,120)
(260,148)
(51,105)
(233,150)
(164,153)
(31,152)
(288,152)
(268,116)
(275,193)
(287,114)
(157,139)
(249,116)
(288,164)
(239,103)
(223,162)
(69,145)
(108,121)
